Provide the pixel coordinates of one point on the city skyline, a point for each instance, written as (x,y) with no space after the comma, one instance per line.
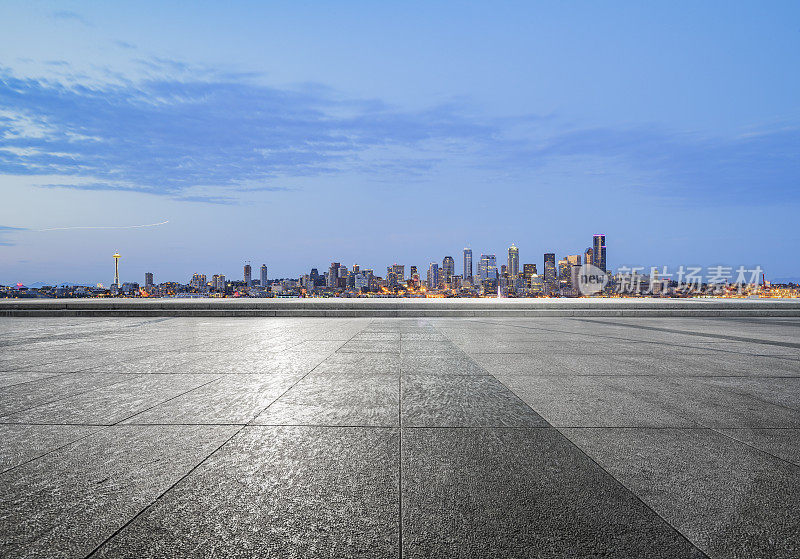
(292,142)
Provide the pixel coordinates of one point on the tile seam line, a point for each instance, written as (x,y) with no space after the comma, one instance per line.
(199,386)
(622,485)
(132,375)
(99,428)
(759,450)
(28,381)
(399,449)
(159,497)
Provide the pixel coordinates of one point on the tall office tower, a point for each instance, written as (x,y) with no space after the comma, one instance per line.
(467,275)
(599,251)
(503,270)
(148,279)
(248,275)
(549,271)
(400,271)
(487,267)
(566,270)
(513,261)
(263,276)
(433,275)
(313,277)
(588,256)
(333,275)
(563,271)
(528,271)
(116,269)
(356,268)
(448,269)
(413,272)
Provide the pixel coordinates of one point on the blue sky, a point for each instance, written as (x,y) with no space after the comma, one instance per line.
(295,134)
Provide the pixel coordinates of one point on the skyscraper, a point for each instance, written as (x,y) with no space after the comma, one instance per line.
(399,270)
(448,269)
(588,256)
(487,267)
(467,264)
(599,251)
(513,261)
(528,271)
(148,279)
(549,271)
(333,275)
(263,276)
(433,275)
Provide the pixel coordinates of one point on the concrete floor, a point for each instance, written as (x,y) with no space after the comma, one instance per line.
(306,437)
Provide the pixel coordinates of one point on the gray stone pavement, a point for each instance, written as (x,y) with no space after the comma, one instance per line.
(381,437)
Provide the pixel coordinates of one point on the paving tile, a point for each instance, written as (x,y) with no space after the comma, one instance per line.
(459,401)
(229,399)
(781,443)
(441,364)
(520,493)
(337,400)
(597,401)
(429,347)
(779,391)
(279,492)
(10,378)
(729,499)
(71,500)
(23,396)
(363,346)
(22,443)
(360,364)
(111,404)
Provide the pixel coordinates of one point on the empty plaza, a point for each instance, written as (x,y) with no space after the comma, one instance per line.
(560,436)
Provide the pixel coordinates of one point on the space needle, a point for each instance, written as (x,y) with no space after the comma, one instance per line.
(116,269)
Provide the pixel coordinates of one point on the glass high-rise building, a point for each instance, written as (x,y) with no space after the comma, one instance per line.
(399,270)
(549,270)
(487,267)
(148,279)
(263,275)
(433,275)
(333,275)
(599,251)
(248,275)
(467,274)
(528,271)
(513,261)
(448,269)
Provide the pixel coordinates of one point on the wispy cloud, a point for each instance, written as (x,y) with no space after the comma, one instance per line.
(166,136)
(102,227)
(124,45)
(4,231)
(70,16)
(185,129)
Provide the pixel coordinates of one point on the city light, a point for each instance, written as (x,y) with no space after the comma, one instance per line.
(584,274)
